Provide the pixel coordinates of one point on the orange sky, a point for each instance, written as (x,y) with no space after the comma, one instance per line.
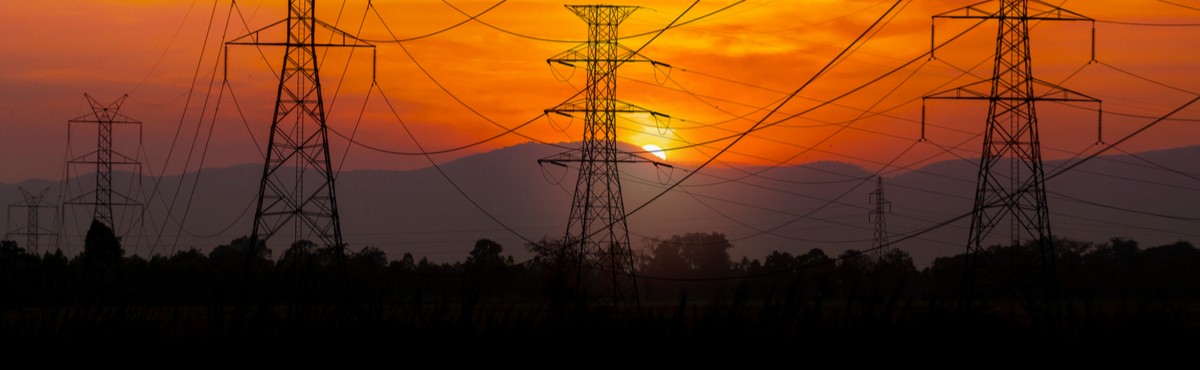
(54,51)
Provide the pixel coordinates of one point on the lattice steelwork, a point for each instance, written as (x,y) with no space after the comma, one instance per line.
(103,197)
(597,240)
(32,230)
(1010,189)
(298,147)
(878,218)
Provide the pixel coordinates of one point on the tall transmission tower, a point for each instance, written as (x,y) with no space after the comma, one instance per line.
(32,230)
(297,186)
(1010,190)
(103,197)
(597,241)
(878,217)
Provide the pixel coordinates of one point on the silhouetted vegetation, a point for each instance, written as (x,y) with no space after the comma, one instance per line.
(691,291)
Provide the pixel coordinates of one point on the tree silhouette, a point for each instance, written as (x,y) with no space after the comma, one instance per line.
(486,253)
(664,259)
(779,261)
(10,251)
(371,256)
(706,253)
(695,254)
(101,245)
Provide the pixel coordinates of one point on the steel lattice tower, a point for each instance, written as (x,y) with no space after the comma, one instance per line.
(32,230)
(878,218)
(299,141)
(597,240)
(103,197)
(1010,190)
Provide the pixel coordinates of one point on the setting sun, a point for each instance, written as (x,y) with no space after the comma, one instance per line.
(656,151)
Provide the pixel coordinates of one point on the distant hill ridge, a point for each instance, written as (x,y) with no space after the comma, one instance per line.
(417,211)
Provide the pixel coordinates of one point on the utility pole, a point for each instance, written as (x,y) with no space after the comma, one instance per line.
(1010,189)
(597,248)
(32,230)
(297,186)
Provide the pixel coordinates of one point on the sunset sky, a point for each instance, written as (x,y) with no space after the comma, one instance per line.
(727,71)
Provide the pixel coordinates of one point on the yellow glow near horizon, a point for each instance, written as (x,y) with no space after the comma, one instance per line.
(656,150)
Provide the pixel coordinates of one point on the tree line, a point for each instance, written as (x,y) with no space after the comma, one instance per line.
(697,262)
(687,284)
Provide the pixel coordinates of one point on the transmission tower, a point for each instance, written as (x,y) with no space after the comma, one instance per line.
(878,217)
(1010,190)
(597,241)
(288,193)
(32,230)
(103,197)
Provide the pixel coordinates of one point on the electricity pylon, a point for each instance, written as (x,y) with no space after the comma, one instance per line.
(32,230)
(597,245)
(878,218)
(1012,193)
(103,197)
(299,140)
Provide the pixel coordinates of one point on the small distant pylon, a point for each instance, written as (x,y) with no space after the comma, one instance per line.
(878,218)
(597,249)
(286,195)
(103,197)
(32,230)
(1014,194)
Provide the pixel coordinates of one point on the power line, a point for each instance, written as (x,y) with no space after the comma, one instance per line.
(452,95)
(170,43)
(1058,172)
(760,122)
(445,176)
(1159,166)
(1147,79)
(183,116)
(1147,24)
(1112,207)
(1179,5)
(546,39)
(435,33)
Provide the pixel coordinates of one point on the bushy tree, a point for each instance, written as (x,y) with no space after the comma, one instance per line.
(699,254)
(486,253)
(101,245)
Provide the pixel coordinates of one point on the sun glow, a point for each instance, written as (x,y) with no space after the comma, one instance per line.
(656,150)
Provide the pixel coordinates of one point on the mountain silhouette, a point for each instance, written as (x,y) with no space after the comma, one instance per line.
(824,205)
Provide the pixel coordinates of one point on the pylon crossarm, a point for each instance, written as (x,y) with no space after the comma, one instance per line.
(579,54)
(590,13)
(630,55)
(627,157)
(346,36)
(968,91)
(79,198)
(567,57)
(580,106)
(1058,93)
(986,10)
(119,158)
(79,201)
(126,200)
(252,38)
(97,161)
(574,156)
(966,11)
(117,120)
(85,158)
(1055,12)
(346,39)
